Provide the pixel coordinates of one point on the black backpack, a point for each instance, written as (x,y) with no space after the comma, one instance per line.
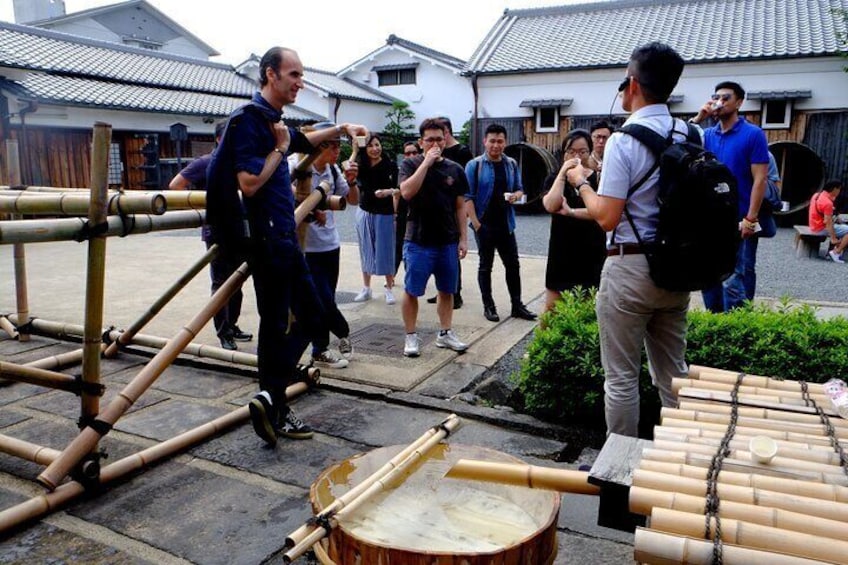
(225,214)
(698,232)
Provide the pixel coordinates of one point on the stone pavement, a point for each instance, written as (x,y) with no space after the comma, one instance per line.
(233,500)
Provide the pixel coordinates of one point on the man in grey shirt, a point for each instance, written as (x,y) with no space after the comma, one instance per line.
(631,309)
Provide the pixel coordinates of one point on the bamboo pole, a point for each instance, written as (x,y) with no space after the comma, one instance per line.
(794,405)
(95,273)
(745,495)
(69,229)
(161,302)
(784,396)
(754,536)
(175,200)
(772,433)
(8,327)
(57,361)
(709,437)
(40,377)
(13,161)
(88,436)
(63,494)
(644,500)
(667,549)
(729,377)
(199,350)
(351,503)
(518,474)
(766,419)
(77,204)
(28,451)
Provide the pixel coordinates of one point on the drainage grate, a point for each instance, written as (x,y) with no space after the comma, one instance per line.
(344,297)
(386,339)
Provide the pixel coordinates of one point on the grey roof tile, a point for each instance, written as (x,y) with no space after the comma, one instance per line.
(344,88)
(432,53)
(603,34)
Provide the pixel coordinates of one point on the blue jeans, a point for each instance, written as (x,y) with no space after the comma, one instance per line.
(741,285)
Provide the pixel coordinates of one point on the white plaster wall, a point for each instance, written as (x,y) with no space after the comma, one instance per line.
(593,91)
(87,28)
(186,48)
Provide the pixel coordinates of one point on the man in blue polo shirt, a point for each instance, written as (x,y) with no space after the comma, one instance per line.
(741,146)
(252,159)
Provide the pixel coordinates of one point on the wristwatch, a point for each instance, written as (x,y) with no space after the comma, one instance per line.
(581,184)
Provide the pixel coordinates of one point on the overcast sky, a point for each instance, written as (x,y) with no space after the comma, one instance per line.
(328,34)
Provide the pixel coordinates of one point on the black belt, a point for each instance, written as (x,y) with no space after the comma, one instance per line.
(624,249)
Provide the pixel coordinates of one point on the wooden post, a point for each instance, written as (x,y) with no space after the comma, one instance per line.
(14,161)
(96,272)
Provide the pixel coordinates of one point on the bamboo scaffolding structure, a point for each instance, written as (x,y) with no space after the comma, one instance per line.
(698,372)
(57,361)
(663,549)
(65,493)
(95,273)
(755,536)
(70,229)
(40,377)
(746,495)
(28,451)
(783,396)
(174,199)
(643,500)
(13,161)
(88,436)
(8,327)
(530,476)
(350,503)
(127,335)
(77,204)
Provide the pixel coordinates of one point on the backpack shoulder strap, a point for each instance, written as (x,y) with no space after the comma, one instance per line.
(335,172)
(692,135)
(647,137)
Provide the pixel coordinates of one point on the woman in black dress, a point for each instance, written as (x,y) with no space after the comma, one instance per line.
(577,246)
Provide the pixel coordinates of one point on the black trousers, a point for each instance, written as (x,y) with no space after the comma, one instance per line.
(488,241)
(324,267)
(220,269)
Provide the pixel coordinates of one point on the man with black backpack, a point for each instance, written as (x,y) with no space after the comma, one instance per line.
(632,308)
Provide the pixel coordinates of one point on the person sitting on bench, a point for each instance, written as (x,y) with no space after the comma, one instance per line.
(821,219)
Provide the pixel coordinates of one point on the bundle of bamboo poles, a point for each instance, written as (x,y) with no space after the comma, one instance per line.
(793,509)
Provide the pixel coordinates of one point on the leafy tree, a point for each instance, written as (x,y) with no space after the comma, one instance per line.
(464,136)
(400,126)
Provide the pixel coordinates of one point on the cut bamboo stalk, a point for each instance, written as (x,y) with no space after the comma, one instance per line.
(808,489)
(13,161)
(703,436)
(643,500)
(784,396)
(195,349)
(809,426)
(95,273)
(754,536)
(662,548)
(40,377)
(718,375)
(161,302)
(741,442)
(299,535)
(307,205)
(791,414)
(8,327)
(88,436)
(530,476)
(62,495)
(794,405)
(77,204)
(175,200)
(775,434)
(351,503)
(69,229)
(746,495)
(58,361)
(28,451)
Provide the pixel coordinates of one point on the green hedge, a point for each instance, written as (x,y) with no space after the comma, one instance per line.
(561,377)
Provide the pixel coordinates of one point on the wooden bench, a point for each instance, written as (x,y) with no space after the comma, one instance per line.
(807,242)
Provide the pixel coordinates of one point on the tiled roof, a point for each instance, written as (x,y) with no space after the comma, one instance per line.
(73,91)
(603,34)
(43,50)
(779,94)
(344,88)
(432,53)
(395,67)
(545,102)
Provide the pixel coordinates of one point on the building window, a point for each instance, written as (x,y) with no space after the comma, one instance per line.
(395,77)
(777,114)
(116,167)
(547,120)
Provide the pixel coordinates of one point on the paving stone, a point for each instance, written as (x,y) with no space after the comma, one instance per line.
(67,404)
(579,513)
(44,543)
(450,379)
(198,515)
(12,392)
(189,381)
(7,499)
(10,347)
(591,550)
(292,462)
(167,419)
(46,349)
(8,417)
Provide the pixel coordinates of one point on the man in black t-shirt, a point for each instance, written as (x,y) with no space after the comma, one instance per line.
(434,188)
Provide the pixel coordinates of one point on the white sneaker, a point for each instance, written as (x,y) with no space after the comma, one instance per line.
(390,297)
(330,359)
(412,345)
(449,340)
(364,294)
(345,347)
(837,257)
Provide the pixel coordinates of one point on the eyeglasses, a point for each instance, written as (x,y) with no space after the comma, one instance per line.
(433,139)
(581,152)
(411,153)
(599,137)
(723,97)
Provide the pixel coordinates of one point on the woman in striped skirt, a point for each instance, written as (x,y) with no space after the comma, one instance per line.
(378,177)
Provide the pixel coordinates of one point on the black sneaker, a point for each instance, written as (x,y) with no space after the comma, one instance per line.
(262,416)
(433,299)
(228,343)
(457,301)
(239,335)
(292,427)
(521,311)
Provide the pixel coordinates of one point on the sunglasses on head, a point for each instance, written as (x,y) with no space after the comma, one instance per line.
(723,97)
(625,83)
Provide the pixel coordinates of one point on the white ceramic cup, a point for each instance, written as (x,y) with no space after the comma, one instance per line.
(763,449)
(360,140)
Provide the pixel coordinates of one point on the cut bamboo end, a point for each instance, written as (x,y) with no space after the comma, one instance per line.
(531,476)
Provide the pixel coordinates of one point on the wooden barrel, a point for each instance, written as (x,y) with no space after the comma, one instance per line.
(429,519)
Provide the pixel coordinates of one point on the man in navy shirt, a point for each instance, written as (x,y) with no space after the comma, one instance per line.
(252,156)
(741,146)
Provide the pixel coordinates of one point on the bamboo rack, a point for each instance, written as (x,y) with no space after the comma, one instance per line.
(14,165)
(77,204)
(174,200)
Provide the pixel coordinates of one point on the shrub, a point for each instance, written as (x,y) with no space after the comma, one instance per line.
(561,377)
